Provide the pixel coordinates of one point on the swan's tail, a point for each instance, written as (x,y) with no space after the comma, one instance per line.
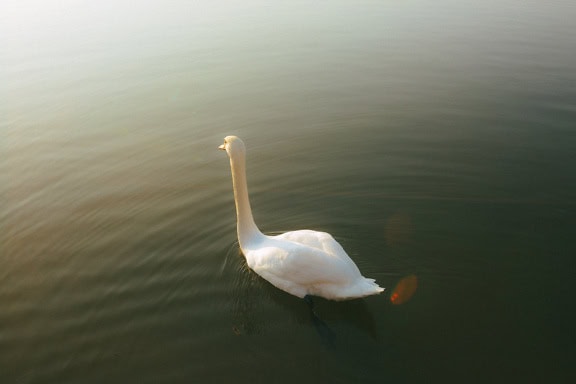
(363,287)
(371,287)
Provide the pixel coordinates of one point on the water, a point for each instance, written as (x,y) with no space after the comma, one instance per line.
(431,139)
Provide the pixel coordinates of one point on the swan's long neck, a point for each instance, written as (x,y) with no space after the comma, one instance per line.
(247,229)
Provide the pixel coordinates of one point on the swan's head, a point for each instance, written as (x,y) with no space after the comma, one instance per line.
(233,145)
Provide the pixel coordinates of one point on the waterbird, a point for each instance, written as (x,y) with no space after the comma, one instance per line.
(303,263)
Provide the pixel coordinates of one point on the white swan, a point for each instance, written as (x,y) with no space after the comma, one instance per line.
(302,263)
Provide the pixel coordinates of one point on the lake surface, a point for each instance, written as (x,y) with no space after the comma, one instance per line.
(433,139)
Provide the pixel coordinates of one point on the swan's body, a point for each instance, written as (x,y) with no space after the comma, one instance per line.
(302,262)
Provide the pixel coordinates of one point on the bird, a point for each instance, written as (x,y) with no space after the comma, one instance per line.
(303,263)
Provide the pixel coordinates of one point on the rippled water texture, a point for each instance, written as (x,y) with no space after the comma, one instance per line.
(434,140)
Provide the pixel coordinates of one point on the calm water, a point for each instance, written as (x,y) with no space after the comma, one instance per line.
(430,138)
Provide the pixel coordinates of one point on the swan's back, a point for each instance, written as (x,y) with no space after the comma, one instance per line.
(309,263)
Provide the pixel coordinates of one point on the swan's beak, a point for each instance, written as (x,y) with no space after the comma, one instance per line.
(222,147)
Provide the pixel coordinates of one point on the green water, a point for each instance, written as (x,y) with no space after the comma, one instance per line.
(433,139)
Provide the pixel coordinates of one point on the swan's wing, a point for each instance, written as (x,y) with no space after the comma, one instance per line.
(295,263)
(301,269)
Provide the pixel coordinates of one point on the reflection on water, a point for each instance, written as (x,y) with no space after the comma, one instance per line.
(434,141)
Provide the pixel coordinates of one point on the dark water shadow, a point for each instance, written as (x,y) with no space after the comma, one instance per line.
(326,316)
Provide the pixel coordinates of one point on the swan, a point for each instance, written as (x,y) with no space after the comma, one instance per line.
(303,263)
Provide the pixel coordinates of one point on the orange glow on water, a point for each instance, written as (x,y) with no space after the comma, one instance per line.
(404,290)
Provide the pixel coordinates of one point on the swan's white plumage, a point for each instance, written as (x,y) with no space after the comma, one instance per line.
(301,262)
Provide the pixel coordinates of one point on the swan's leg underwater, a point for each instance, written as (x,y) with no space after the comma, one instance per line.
(310,302)
(326,334)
